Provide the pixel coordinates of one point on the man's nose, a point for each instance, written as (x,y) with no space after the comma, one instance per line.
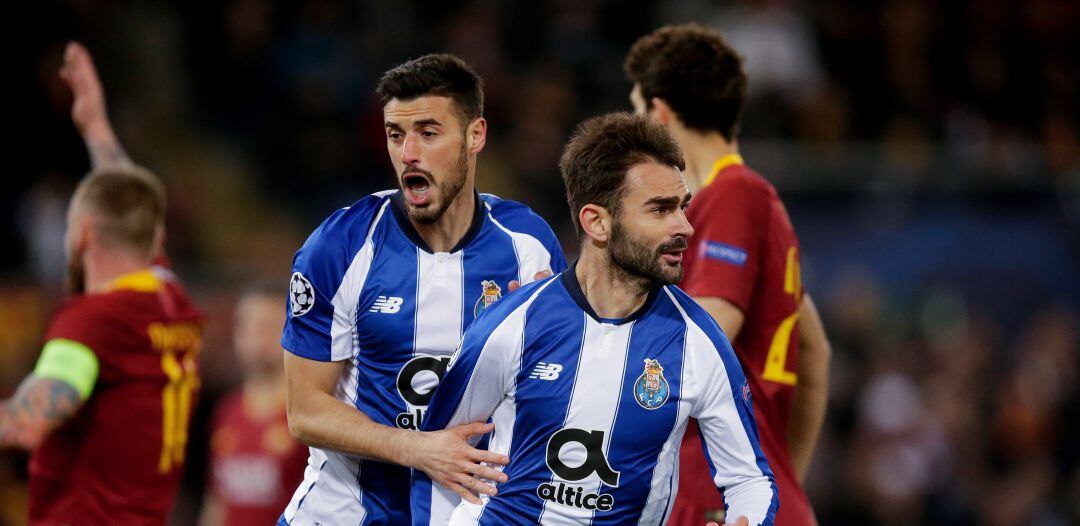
(683,226)
(410,150)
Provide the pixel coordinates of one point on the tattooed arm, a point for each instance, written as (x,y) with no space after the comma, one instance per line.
(39,406)
(88,108)
(64,377)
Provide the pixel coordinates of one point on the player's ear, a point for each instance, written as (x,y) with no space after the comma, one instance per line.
(84,233)
(158,248)
(662,112)
(476,135)
(595,222)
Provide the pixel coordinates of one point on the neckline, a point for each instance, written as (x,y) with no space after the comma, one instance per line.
(139,281)
(570,282)
(401,215)
(731,159)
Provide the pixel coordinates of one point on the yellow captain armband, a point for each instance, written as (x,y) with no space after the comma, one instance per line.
(70,362)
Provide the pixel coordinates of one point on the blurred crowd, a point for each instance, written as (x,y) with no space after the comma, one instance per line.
(929,156)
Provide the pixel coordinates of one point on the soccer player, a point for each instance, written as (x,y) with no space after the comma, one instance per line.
(255,463)
(105,412)
(380,295)
(742,265)
(590,376)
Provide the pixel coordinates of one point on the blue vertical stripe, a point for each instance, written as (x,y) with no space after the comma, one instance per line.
(639,433)
(554,333)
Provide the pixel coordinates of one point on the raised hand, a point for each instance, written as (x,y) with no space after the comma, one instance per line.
(88,112)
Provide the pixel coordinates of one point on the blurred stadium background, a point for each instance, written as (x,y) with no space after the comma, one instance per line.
(929,156)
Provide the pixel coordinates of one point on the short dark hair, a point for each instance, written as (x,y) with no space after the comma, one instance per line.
(694,70)
(439,74)
(127,203)
(603,149)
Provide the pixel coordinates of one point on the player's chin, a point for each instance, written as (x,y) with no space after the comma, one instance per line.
(670,273)
(426,213)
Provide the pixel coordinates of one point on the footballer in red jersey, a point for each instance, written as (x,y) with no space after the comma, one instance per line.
(118,459)
(105,411)
(742,265)
(255,463)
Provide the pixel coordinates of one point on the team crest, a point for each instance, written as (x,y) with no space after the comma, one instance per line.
(491,294)
(651,389)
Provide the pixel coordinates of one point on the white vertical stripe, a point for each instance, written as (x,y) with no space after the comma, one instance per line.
(438,303)
(593,407)
(438,310)
(531,255)
(665,477)
(343,324)
(501,352)
(329,493)
(727,441)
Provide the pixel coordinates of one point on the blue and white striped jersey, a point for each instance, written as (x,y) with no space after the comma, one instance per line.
(592,411)
(366,289)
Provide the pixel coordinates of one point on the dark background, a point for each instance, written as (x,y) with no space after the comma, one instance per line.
(929,156)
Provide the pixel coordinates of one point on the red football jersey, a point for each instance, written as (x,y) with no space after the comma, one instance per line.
(744,250)
(255,464)
(118,460)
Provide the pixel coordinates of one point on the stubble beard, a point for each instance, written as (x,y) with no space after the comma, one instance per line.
(447,191)
(636,262)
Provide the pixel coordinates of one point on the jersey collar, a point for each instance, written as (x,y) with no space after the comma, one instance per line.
(570,282)
(721,163)
(138,281)
(397,201)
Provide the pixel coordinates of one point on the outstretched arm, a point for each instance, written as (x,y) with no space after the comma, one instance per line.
(88,112)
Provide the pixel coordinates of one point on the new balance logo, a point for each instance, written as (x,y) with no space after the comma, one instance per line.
(546,371)
(386,305)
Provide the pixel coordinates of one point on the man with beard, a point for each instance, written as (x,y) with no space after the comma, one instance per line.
(380,295)
(591,376)
(743,265)
(106,409)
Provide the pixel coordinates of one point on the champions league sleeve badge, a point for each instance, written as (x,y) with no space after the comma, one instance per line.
(301,295)
(491,294)
(651,389)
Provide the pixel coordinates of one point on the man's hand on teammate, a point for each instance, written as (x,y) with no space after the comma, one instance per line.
(515,284)
(741,521)
(88,112)
(448,459)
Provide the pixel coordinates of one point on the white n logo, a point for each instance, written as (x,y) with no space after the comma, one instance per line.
(546,371)
(386,305)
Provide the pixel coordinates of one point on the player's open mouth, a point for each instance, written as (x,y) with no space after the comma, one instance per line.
(673,257)
(416,188)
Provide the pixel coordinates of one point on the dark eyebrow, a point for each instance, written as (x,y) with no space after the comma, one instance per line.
(418,124)
(670,200)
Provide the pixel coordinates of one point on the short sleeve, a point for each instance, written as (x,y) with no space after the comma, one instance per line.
(327,273)
(730,222)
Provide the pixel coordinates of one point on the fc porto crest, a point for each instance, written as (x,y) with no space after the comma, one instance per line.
(491,294)
(651,389)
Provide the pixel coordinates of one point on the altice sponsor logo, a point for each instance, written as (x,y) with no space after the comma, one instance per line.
(595,462)
(575,496)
